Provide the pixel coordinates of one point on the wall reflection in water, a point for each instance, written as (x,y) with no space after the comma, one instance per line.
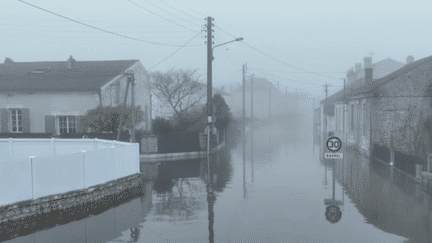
(389,198)
(103,227)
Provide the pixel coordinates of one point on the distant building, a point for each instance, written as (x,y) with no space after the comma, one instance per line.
(266,95)
(50,97)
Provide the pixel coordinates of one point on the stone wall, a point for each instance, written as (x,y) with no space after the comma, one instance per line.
(25,217)
(149,145)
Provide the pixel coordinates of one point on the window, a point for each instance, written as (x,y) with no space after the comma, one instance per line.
(15,116)
(67,124)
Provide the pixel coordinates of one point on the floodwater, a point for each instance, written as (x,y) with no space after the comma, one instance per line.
(272,188)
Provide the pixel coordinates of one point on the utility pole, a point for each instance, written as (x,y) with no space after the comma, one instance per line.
(325,116)
(270,102)
(132,77)
(209,81)
(124,102)
(252,76)
(286,92)
(326,89)
(244,99)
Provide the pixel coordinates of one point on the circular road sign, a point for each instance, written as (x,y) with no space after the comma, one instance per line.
(333,214)
(334,144)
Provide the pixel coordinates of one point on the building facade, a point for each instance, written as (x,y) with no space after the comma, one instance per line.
(51,97)
(391,114)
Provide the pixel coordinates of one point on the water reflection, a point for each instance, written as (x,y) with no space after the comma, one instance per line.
(103,227)
(389,198)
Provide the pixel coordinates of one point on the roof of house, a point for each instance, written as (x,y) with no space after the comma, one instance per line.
(56,76)
(398,73)
(339,95)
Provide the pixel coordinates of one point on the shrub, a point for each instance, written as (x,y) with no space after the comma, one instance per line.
(161,126)
(107,119)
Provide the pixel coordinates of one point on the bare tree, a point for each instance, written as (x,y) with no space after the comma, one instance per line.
(180,89)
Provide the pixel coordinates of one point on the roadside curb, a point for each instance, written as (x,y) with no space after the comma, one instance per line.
(153,158)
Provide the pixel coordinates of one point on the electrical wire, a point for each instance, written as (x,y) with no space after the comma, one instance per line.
(276,71)
(160,16)
(277,59)
(190,8)
(87,31)
(179,10)
(171,13)
(291,80)
(175,51)
(103,30)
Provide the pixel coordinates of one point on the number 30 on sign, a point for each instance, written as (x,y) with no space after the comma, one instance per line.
(334,144)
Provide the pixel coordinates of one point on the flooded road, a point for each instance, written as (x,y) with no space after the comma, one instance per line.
(272,189)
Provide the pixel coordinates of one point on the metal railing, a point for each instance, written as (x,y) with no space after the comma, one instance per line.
(33,168)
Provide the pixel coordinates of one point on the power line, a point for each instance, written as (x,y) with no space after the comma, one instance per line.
(95,37)
(93,27)
(277,59)
(265,73)
(190,8)
(171,13)
(161,16)
(147,20)
(88,31)
(180,10)
(294,72)
(175,51)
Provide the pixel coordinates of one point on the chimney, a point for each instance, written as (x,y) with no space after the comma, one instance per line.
(368,76)
(409,59)
(357,67)
(367,62)
(350,76)
(8,61)
(71,63)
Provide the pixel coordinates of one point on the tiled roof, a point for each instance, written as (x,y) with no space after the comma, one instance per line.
(55,76)
(339,95)
(400,72)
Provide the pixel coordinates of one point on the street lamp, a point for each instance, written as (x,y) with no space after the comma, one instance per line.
(210,58)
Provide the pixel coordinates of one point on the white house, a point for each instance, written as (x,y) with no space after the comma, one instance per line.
(50,97)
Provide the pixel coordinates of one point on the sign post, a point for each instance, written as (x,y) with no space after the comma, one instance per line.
(333,213)
(333,144)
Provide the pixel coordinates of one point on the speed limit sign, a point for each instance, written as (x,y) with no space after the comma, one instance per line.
(334,144)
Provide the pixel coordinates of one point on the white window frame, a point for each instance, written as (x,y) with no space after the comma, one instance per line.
(10,127)
(67,123)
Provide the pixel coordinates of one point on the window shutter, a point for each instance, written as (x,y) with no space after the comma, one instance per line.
(26,120)
(4,120)
(50,124)
(77,122)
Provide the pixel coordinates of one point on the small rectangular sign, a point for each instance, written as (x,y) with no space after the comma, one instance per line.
(332,202)
(333,155)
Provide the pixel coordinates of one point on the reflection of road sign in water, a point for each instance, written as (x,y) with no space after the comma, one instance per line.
(334,144)
(332,202)
(333,214)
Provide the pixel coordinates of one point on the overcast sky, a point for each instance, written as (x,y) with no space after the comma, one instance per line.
(325,37)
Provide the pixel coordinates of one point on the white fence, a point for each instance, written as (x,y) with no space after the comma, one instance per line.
(33,168)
